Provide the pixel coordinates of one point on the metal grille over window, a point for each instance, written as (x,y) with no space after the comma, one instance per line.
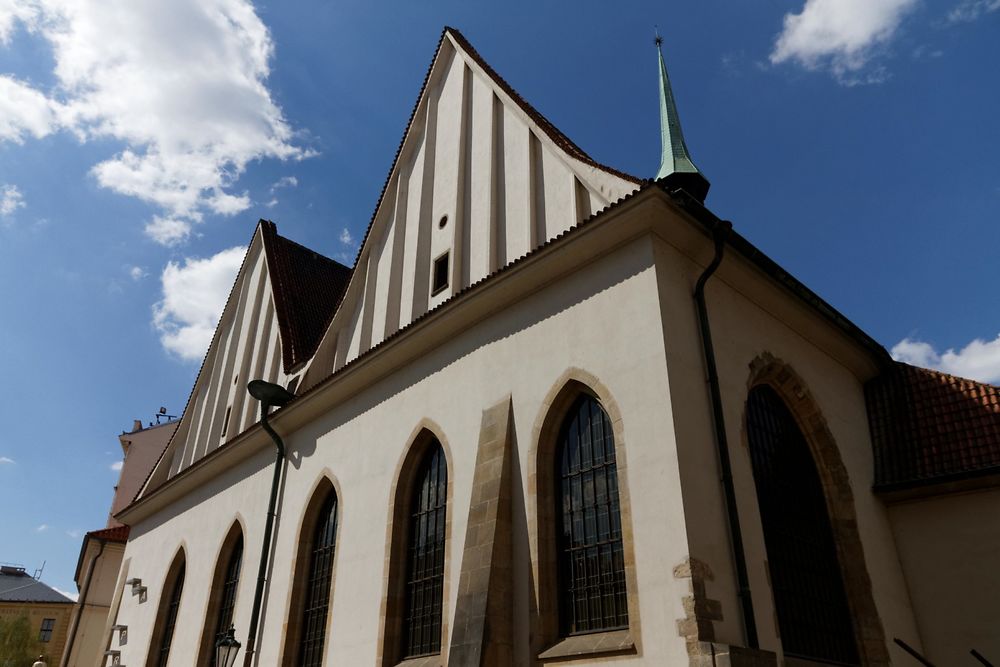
(591,562)
(425,565)
(317,601)
(229,586)
(170,619)
(813,614)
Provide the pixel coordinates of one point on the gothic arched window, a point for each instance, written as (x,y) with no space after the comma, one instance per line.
(425,555)
(170,602)
(226,593)
(806,580)
(319,580)
(591,562)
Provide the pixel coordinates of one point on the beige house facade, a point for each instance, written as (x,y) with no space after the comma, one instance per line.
(546,419)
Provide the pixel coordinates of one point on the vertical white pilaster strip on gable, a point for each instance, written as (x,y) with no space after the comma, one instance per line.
(395,260)
(480,219)
(251,343)
(273,366)
(536,192)
(259,358)
(517,187)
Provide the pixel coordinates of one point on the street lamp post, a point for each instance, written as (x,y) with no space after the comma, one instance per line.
(269,394)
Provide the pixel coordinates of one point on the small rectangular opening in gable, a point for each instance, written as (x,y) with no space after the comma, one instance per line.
(225,422)
(439,278)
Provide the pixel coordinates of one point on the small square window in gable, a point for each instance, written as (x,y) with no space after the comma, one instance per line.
(439,276)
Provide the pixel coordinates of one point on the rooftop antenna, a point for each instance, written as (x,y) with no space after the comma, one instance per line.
(38,573)
(163,413)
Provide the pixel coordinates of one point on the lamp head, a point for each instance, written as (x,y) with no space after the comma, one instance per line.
(269,393)
(226,649)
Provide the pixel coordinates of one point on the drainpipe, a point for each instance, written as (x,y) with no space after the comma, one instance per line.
(268,394)
(82,604)
(720,233)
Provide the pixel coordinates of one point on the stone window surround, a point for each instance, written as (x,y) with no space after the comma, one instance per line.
(393,573)
(837,490)
(207,642)
(303,549)
(546,642)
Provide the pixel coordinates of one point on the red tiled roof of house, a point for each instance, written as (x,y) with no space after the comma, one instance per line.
(929,426)
(115,534)
(307,289)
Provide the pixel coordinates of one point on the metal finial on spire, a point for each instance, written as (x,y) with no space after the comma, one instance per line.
(658,40)
(675,159)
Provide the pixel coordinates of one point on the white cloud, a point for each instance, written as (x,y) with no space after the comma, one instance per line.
(75,533)
(137,273)
(181,83)
(116,466)
(971,10)
(842,35)
(42,528)
(193,297)
(168,231)
(11,199)
(345,236)
(4,460)
(285,182)
(72,596)
(979,360)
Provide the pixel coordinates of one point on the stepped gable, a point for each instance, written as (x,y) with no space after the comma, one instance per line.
(929,426)
(307,288)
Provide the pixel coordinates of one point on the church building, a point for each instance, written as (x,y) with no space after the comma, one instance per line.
(555,414)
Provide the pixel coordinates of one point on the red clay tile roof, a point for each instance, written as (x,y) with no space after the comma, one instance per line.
(929,427)
(116,534)
(307,289)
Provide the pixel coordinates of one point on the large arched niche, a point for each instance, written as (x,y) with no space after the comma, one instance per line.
(424,435)
(541,502)
(793,391)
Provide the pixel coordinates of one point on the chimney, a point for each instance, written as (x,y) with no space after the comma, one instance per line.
(136,425)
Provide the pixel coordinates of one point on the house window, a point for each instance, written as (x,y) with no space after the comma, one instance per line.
(48,624)
(227,604)
(440,276)
(425,556)
(317,594)
(806,580)
(169,617)
(590,560)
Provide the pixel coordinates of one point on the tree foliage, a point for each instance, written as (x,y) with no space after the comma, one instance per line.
(16,641)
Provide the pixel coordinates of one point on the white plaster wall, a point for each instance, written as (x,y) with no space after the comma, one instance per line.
(750,316)
(602,319)
(950,550)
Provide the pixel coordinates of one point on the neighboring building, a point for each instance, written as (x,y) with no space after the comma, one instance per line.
(97,569)
(559,414)
(46,609)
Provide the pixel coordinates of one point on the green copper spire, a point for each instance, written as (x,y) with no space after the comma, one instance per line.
(675,159)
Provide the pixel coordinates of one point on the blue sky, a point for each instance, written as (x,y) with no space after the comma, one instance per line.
(854,141)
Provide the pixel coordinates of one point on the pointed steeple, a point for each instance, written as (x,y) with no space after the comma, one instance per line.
(675,161)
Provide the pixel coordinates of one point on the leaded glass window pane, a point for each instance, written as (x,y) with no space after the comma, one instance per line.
(317,598)
(228,602)
(170,618)
(425,558)
(806,580)
(591,561)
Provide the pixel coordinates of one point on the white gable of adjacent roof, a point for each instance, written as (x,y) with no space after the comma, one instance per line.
(479,176)
(246,346)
